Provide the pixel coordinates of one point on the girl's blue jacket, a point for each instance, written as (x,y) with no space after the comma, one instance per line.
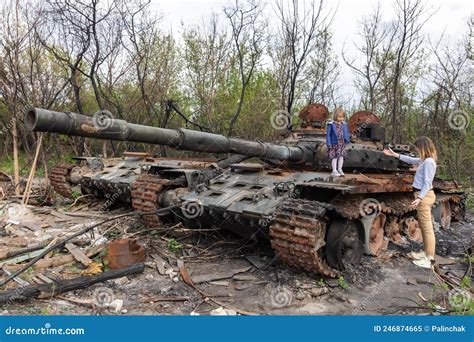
(331,136)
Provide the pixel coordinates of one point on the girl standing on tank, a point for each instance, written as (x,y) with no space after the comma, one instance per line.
(337,137)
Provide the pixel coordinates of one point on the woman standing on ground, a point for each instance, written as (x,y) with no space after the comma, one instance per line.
(424,196)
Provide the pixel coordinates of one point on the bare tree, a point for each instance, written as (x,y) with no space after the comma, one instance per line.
(376,49)
(248,32)
(154,59)
(26,75)
(66,34)
(13,41)
(153,56)
(450,93)
(296,40)
(323,71)
(207,61)
(411,17)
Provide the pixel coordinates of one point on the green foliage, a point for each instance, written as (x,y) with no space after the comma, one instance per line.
(342,283)
(174,246)
(466,283)
(76,194)
(105,265)
(321,282)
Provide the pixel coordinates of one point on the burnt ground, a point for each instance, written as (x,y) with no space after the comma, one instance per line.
(252,281)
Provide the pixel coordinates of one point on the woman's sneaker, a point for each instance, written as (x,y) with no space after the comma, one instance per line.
(341,173)
(417,255)
(335,174)
(425,262)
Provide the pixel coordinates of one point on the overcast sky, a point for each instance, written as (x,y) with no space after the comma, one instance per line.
(450,17)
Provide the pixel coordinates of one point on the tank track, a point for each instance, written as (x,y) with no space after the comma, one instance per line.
(298,231)
(145,193)
(298,235)
(59,181)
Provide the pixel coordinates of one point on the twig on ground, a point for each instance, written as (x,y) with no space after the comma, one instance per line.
(79,198)
(187,279)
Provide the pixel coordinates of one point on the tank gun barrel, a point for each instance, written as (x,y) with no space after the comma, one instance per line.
(43,120)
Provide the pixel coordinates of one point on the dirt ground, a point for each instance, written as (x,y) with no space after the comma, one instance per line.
(247,278)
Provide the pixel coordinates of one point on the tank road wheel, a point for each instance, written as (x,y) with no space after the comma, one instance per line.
(146,190)
(458,209)
(411,229)
(375,241)
(297,235)
(393,230)
(343,244)
(59,179)
(442,214)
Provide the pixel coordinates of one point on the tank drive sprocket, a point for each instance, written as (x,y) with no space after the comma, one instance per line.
(145,193)
(59,179)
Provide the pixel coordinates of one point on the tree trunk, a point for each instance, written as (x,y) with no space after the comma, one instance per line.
(16,166)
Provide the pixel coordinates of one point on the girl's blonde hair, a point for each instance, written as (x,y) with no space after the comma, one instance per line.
(426,148)
(338,111)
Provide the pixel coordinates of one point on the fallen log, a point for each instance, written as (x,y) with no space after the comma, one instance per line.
(61,286)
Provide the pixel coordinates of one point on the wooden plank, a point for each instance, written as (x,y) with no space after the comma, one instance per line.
(44,278)
(78,254)
(64,259)
(160,264)
(87,214)
(60,215)
(22,258)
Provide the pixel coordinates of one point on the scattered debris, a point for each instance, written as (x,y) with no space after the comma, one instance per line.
(220,311)
(218,275)
(116,304)
(121,281)
(319,291)
(220,283)
(160,264)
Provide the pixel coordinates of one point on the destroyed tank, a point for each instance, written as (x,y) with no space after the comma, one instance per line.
(283,192)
